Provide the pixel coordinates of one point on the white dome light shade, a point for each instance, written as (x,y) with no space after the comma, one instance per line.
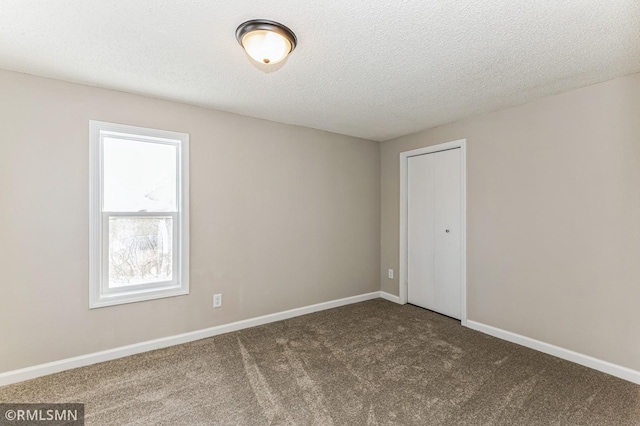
(266,47)
(267,42)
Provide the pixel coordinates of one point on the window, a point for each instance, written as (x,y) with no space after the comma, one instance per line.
(139,224)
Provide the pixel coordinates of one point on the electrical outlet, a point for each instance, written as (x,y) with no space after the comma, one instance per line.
(217,300)
(390,273)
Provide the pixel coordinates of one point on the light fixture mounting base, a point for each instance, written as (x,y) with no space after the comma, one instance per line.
(266,25)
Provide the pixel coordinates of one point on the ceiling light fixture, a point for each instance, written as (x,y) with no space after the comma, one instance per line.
(267,42)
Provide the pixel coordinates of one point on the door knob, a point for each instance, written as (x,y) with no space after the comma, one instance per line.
(447,231)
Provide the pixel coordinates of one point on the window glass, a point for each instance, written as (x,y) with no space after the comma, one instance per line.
(140,250)
(138,176)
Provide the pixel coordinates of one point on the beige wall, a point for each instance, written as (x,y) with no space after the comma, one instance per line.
(281,217)
(553,218)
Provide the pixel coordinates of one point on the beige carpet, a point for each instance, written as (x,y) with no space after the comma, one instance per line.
(373,363)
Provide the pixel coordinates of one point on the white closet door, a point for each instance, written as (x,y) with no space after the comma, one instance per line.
(434,234)
(420,231)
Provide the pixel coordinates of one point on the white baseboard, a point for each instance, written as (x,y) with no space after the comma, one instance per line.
(28,373)
(588,361)
(390,297)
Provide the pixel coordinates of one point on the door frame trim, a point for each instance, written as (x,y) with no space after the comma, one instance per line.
(404,160)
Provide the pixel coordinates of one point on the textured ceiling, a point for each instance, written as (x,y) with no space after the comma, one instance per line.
(373,69)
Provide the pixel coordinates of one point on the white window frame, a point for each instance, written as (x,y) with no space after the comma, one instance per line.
(99,293)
